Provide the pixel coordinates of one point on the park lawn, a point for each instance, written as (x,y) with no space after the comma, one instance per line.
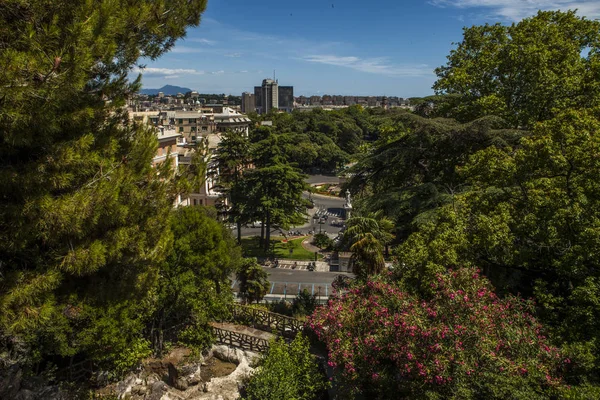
(250,248)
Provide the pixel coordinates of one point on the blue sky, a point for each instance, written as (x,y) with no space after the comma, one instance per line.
(349,47)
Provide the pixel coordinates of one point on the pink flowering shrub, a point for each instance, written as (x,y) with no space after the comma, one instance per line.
(462,343)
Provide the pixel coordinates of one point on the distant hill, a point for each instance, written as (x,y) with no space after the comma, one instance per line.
(168,90)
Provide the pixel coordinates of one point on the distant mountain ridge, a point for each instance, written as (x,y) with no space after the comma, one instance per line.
(168,90)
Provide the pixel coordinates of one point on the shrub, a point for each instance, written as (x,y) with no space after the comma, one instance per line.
(322,241)
(286,372)
(304,304)
(464,342)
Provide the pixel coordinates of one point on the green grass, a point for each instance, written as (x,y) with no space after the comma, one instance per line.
(279,249)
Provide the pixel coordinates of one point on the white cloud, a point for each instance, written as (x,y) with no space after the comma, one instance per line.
(186,50)
(167,73)
(203,41)
(518,9)
(221,72)
(234,55)
(371,65)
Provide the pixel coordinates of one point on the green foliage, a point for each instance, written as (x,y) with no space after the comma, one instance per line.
(270,192)
(523,72)
(291,245)
(530,220)
(113,336)
(366,237)
(83,214)
(253,281)
(520,204)
(325,141)
(131,355)
(287,372)
(322,241)
(304,304)
(193,286)
(412,169)
(275,194)
(232,157)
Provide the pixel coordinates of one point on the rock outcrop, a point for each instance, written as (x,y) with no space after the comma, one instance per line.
(15,387)
(217,375)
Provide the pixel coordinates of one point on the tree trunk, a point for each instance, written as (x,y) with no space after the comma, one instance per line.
(268,233)
(159,332)
(262,234)
(239,232)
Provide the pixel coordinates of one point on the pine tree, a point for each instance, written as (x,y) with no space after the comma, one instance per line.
(233,156)
(82,211)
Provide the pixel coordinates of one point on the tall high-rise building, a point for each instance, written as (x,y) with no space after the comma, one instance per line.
(267,96)
(272,96)
(248,102)
(286,98)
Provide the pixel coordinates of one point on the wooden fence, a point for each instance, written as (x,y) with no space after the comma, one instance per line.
(240,340)
(266,320)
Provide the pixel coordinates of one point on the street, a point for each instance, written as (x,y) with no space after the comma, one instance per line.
(333,207)
(288,283)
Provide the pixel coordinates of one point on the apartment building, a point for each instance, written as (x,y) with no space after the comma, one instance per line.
(248,102)
(180,132)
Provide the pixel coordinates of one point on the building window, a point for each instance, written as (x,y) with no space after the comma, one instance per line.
(191,121)
(193,129)
(193,138)
(180,121)
(195,202)
(181,129)
(204,129)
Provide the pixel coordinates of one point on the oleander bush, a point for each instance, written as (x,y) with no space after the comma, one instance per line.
(463,342)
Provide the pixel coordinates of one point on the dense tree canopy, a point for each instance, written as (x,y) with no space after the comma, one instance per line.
(193,282)
(520,203)
(323,141)
(83,214)
(526,71)
(412,168)
(531,220)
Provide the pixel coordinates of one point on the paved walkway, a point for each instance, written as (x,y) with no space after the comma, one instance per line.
(246,330)
(307,245)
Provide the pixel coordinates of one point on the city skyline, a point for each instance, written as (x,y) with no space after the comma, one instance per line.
(383,48)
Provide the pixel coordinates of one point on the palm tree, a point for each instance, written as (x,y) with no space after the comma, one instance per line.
(253,281)
(367,254)
(374,223)
(367,237)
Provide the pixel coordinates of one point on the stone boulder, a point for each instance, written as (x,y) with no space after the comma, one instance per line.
(10,382)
